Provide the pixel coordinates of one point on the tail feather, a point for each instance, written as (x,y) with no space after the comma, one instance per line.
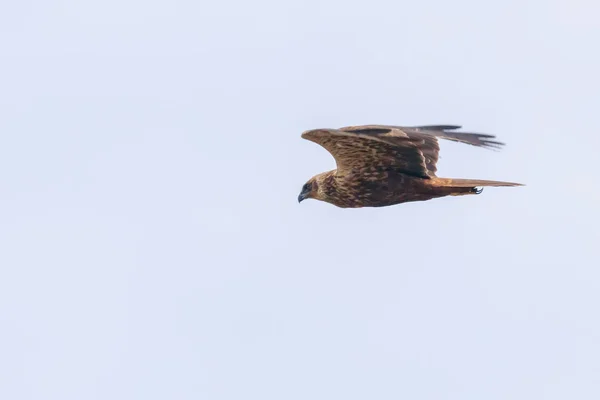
(470,183)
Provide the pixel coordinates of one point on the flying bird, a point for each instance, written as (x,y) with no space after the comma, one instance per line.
(383,165)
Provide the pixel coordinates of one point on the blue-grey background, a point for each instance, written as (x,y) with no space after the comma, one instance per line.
(152,246)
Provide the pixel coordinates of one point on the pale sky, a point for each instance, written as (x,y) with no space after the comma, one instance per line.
(152,246)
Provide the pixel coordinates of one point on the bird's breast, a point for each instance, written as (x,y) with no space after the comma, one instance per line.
(367,188)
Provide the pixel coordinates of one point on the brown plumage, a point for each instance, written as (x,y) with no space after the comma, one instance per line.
(381,165)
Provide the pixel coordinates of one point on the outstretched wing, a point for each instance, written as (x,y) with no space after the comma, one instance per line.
(410,150)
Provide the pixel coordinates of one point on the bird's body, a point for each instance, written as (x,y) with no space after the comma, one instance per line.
(385,165)
(372,189)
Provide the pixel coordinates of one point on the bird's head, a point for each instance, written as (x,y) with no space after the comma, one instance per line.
(309,190)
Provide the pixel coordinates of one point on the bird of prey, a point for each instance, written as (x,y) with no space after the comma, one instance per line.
(383,165)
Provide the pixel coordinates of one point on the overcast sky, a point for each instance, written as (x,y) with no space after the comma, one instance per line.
(152,246)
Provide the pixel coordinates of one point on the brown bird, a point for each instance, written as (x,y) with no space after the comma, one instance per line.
(382,165)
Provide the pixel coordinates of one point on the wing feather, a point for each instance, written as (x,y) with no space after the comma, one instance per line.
(438,131)
(370,151)
(410,150)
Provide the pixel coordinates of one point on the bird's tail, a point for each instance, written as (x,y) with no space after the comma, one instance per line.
(459,187)
(469,183)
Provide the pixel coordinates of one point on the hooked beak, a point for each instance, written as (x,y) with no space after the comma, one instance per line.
(301,197)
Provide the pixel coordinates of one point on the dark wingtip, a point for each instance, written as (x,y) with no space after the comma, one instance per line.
(491,144)
(475,139)
(472,138)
